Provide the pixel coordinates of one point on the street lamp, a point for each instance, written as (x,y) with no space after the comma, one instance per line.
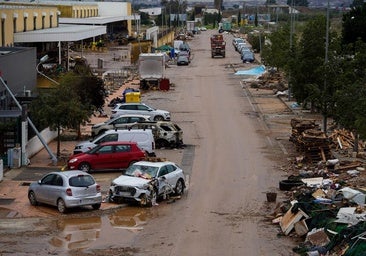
(41,61)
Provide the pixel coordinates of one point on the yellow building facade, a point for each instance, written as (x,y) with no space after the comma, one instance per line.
(16,18)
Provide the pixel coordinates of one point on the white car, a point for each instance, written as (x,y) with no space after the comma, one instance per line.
(145,182)
(141,109)
(116,122)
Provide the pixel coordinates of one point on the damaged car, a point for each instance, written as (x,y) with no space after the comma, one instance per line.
(146,182)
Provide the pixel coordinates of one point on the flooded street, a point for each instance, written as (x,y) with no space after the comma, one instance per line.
(231,160)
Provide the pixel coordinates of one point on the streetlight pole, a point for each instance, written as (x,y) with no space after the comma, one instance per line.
(325,64)
(41,61)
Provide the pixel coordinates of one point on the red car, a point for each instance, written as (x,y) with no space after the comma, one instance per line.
(113,155)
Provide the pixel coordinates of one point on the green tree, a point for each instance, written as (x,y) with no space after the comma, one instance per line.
(71,103)
(276,52)
(354,24)
(239,18)
(350,101)
(60,108)
(307,74)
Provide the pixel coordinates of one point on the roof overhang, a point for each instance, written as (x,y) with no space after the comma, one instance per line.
(63,33)
(98,20)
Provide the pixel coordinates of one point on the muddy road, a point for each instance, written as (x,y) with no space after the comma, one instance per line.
(231,160)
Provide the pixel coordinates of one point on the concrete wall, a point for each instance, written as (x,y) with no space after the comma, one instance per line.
(34,145)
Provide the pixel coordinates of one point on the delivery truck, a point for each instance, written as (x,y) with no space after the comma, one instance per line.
(151,69)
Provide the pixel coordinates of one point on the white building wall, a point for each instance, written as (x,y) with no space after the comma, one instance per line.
(112,8)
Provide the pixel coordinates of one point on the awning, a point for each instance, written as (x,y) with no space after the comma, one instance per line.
(63,33)
(98,20)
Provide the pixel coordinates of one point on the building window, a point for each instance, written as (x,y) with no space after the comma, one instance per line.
(2,32)
(51,21)
(34,23)
(15,25)
(25,24)
(43,19)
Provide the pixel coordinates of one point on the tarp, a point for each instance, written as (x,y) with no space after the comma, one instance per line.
(257,71)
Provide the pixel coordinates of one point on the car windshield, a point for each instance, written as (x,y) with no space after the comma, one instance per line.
(143,171)
(81,181)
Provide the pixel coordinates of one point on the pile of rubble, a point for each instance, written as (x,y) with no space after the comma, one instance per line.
(271,80)
(310,140)
(326,204)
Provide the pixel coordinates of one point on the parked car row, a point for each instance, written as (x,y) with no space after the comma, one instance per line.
(122,143)
(246,53)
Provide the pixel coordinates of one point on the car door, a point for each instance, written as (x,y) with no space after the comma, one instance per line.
(120,122)
(144,110)
(122,156)
(103,158)
(49,188)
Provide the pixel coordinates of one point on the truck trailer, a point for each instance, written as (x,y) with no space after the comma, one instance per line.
(151,69)
(218,45)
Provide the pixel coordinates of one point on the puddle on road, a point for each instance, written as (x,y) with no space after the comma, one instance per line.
(117,228)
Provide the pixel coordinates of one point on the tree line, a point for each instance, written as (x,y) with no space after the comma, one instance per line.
(325,69)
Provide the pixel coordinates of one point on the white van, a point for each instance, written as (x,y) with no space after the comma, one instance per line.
(143,137)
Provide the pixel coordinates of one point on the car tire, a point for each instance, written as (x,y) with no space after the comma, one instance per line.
(179,187)
(158,118)
(32,198)
(287,185)
(147,201)
(161,143)
(61,206)
(84,166)
(96,206)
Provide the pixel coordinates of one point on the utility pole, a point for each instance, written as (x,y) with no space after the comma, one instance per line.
(325,121)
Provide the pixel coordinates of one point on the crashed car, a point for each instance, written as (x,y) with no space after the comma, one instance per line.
(146,182)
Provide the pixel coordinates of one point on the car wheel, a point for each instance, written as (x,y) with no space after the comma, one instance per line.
(96,206)
(84,167)
(61,206)
(32,198)
(179,187)
(161,143)
(158,118)
(148,201)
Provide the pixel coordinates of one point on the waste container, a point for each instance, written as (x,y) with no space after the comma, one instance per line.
(164,84)
(133,97)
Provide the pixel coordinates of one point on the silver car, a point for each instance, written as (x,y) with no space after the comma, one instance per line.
(115,123)
(145,182)
(65,190)
(141,109)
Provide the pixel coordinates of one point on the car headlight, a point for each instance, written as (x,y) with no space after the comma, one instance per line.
(73,160)
(113,184)
(77,147)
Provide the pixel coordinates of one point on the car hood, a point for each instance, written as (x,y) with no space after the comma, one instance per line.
(125,180)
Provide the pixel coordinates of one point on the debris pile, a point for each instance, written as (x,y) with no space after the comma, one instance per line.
(331,218)
(326,196)
(310,140)
(271,80)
